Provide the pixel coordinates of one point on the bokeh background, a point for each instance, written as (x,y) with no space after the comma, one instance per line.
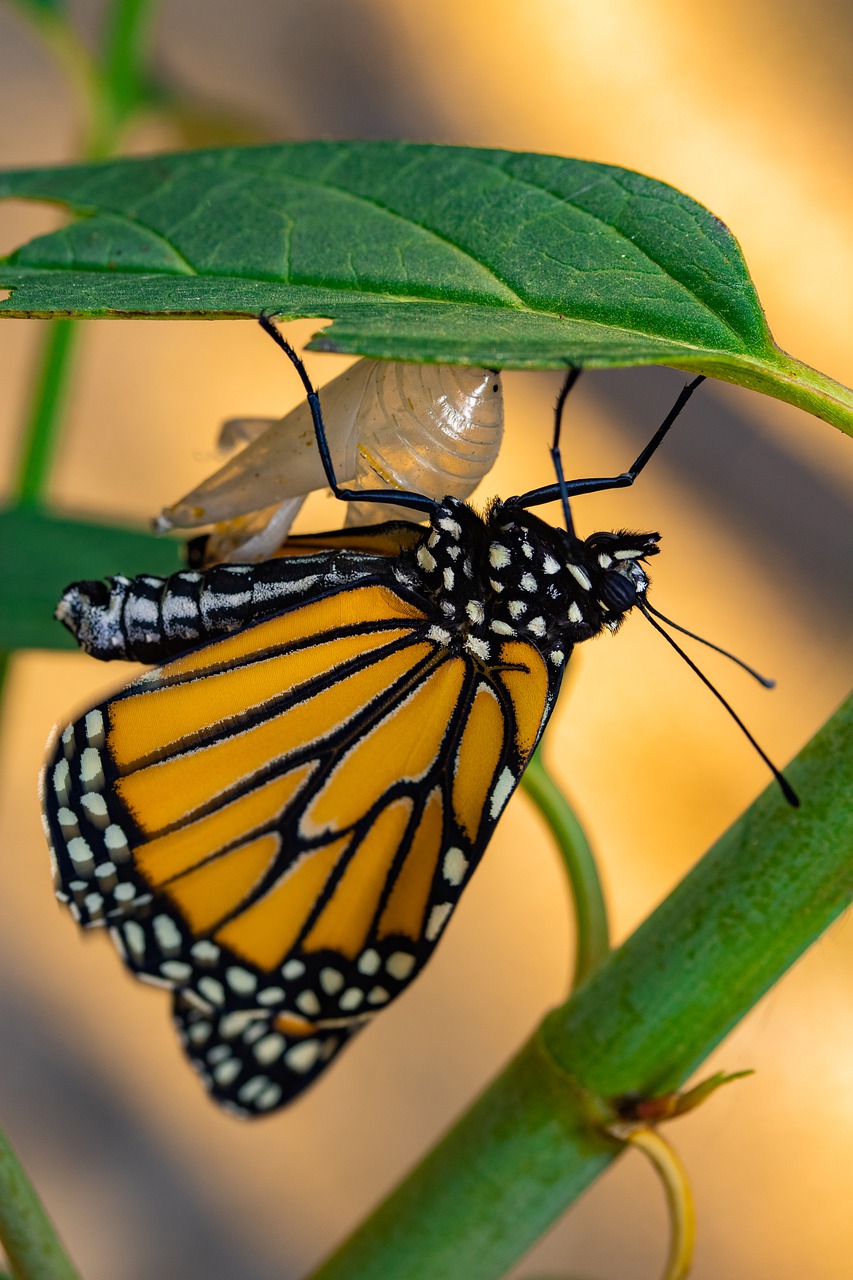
(748,108)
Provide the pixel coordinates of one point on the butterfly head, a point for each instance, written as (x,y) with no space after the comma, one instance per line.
(614,565)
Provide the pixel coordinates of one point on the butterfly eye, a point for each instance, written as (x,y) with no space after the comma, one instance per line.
(617,592)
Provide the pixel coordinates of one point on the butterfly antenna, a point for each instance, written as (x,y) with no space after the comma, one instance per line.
(556,457)
(787,790)
(762,680)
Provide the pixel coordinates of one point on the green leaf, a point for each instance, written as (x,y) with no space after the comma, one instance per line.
(42,554)
(416,252)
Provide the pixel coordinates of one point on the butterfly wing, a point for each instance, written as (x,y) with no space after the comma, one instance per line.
(252,1061)
(278,825)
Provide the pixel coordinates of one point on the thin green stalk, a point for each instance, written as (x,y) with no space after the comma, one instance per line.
(125,47)
(640,1024)
(592,936)
(47,410)
(26,1232)
(110,89)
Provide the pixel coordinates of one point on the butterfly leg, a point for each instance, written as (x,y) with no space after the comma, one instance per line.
(596,484)
(394,497)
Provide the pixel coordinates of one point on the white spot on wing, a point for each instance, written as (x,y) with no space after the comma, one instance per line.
(502,792)
(95,728)
(205,952)
(400,965)
(454,866)
(302,1057)
(226,1072)
(91,770)
(272,995)
(477,647)
(269,1049)
(211,989)
(331,980)
(437,919)
(241,980)
(167,933)
(368,962)
(81,855)
(95,807)
(61,775)
(307,1001)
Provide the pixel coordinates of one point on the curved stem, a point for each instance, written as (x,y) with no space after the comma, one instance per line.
(679,1198)
(592,934)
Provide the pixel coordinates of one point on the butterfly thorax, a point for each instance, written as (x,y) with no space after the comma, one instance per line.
(510,575)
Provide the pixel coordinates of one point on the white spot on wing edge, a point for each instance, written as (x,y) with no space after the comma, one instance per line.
(302,1057)
(95,728)
(437,919)
(400,965)
(454,866)
(503,789)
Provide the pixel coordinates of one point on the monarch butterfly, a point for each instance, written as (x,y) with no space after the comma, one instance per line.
(434,428)
(277,821)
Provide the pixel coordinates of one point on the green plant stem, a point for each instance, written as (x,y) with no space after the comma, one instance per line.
(641,1023)
(26,1232)
(780,375)
(122,88)
(47,409)
(592,936)
(110,89)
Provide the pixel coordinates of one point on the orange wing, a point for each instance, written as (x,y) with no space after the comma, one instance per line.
(278,825)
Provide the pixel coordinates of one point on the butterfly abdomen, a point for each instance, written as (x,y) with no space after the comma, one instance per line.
(150,619)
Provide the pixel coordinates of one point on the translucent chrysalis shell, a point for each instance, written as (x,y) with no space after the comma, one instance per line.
(432,428)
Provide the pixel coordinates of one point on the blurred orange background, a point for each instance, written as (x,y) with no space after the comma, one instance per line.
(749,110)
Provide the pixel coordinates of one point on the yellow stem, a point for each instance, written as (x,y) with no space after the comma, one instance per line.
(679,1196)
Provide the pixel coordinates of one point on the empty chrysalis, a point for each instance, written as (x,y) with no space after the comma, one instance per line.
(434,429)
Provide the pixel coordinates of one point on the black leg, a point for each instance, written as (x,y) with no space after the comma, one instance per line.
(394,497)
(595,484)
(556,457)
